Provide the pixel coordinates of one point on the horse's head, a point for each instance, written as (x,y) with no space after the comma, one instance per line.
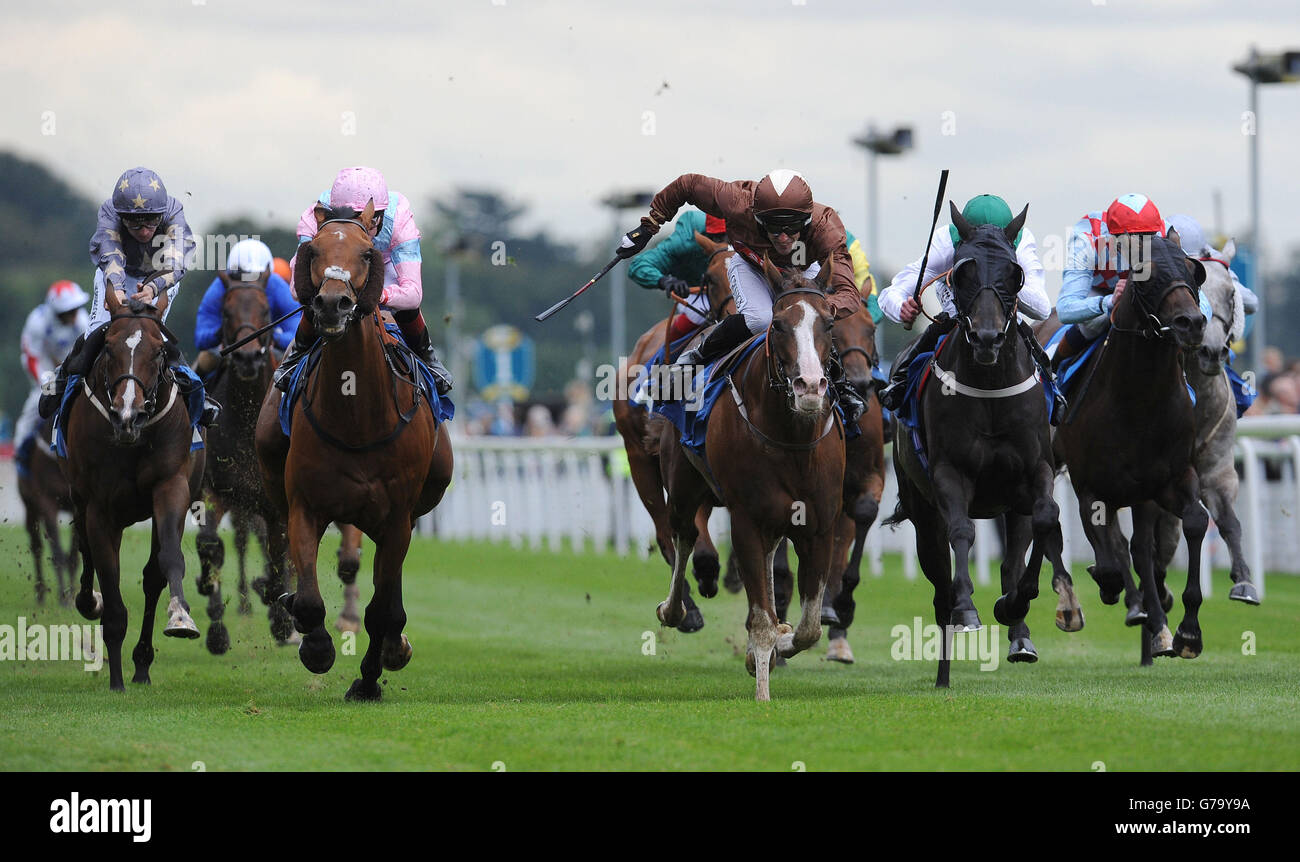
(799,338)
(244,310)
(855,341)
(986,281)
(339,275)
(1229,317)
(1162,295)
(717,286)
(133,364)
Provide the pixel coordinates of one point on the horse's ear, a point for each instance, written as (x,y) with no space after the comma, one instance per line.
(964,229)
(110,298)
(1173,237)
(1229,250)
(322,215)
(303,287)
(370,295)
(706,245)
(772,273)
(160,305)
(263,278)
(1017,224)
(1197,270)
(368,213)
(225,279)
(823,278)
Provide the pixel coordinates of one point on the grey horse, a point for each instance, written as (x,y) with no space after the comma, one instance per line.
(1216,425)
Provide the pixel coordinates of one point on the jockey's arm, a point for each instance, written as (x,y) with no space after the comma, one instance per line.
(1034,303)
(1077,302)
(279,298)
(713,196)
(654,263)
(33,336)
(404,254)
(106,246)
(177,246)
(207,324)
(900,289)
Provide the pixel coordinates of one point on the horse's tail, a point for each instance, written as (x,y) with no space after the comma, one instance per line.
(654,427)
(897,518)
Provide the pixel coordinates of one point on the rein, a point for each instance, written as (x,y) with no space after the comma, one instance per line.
(151,394)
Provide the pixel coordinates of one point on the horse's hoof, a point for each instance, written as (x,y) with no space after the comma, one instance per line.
(967,620)
(260,586)
(731,582)
(1022,649)
(1136,615)
(1110,591)
(141,678)
(829,617)
(179,622)
(362,691)
(1108,598)
(218,640)
(838,650)
(1069,620)
(1162,643)
(245,606)
(1186,644)
(692,622)
(396,658)
(706,568)
(1244,592)
(316,652)
(349,624)
(90,606)
(667,619)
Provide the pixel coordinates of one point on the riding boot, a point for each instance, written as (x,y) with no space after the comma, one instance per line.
(303,339)
(1070,344)
(851,402)
(80,359)
(416,336)
(891,397)
(186,384)
(1044,364)
(721,340)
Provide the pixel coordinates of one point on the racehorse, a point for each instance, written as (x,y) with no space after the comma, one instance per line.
(1216,429)
(987,440)
(129,458)
(1129,438)
(864,479)
(232,482)
(44,493)
(363,449)
(775,449)
(633,425)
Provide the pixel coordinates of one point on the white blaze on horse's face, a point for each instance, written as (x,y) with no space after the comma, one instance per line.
(810,381)
(128,394)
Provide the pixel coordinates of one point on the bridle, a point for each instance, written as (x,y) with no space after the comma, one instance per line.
(964,322)
(149,406)
(265,339)
(1151,326)
(333,273)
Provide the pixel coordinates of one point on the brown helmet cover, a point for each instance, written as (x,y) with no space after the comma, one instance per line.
(783,189)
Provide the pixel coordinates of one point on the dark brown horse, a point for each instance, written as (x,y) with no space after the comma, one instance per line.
(641,444)
(987,439)
(1128,441)
(365,448)
(129,458)
(232,482)
(864,480)
(775,448)
(45,494)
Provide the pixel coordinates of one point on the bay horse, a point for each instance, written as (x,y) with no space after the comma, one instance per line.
(641,443)
(45,494)
(864,479)
(232,482)
(775,448)
(364,447)
(129,458)
(1129,440)
(1216,429)
(987,439)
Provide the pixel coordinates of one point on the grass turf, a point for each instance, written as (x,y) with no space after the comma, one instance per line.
(537,661)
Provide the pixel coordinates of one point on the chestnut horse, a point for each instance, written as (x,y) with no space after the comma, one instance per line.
(632,422)
(365,448)
(129,458)
(775,447)
(44,493)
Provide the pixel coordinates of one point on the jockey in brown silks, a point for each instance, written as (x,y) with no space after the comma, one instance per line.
(775,217)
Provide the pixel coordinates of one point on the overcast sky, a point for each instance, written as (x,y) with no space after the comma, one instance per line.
(250,107)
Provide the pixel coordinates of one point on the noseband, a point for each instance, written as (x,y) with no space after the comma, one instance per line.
(265,339)
(150,392)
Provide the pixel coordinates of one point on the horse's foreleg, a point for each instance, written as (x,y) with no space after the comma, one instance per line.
(953,492)
(211,550)
(1010,609)
(171,501)
(349,556)
(674,610)
(1156,639)
(38,552)
(1101,526)
(754,554)
(154,582)
(275,583)
(1187,640)
(782,581)
(242,523)
(815,555)
(704,559)
(89,602)
(385,616)
(306,605)
(104,543)
(1219,491)
(932,554)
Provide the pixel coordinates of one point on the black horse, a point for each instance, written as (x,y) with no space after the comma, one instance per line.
(987,438)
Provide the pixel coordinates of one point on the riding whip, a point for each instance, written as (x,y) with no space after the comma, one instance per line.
(925,258)
(247,338)
(563,302)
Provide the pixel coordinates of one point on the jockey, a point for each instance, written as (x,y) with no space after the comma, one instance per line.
(677,262)
(140,247)
(248,261)
(774,217)
(397,238)
(280,267)
(48,335)
(899,306)
(1192,238)
(1092,283)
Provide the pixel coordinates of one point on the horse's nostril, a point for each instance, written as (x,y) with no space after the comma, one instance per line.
(318,302)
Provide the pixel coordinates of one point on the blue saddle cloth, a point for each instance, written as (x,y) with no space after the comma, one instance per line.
(441,405)
(643,378)
(1243,392)
(193,403)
